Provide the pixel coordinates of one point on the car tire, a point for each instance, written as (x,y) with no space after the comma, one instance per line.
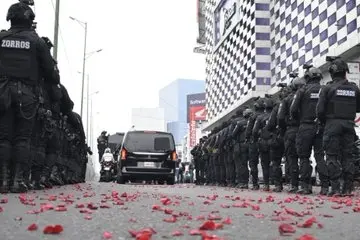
(120,179)
(171,181)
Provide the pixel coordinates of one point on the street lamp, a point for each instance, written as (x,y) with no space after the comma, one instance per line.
(84,25)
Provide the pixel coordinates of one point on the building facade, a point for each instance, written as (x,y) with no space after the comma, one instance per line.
(152,119)
(173,99)
(251,46)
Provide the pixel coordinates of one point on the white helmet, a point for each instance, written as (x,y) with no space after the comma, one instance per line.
(107,150)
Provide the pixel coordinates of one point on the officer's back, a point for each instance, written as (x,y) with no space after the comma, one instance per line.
(24,55)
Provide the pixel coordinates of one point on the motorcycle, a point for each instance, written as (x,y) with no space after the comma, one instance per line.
(108,169)
(187,175)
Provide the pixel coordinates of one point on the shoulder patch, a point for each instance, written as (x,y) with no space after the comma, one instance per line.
(345,93)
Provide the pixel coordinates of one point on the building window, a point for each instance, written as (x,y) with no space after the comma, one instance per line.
(287,3)
(342,40)
(282,33)
(308,47)
(342,22)
(262,66)
(302,60)
(324,52)
(263,51)
(323,16)
(262,6)
(294,22)
(294,39)
(358,10)
(315,31)
(332,19)
(294,5)
(283,64)
(301,25)
(282,16)
(315,13)
(301,42)
(288,19)
(307,10)
(262,36)
(277,29)
(350,5)
(323,35)
(272,42)
(295,56)
(288,35)
(277,44)
(288,52)
(329,2)
(262,21)
(351,26)
(283,48)
(301,7)
(340,3)
(308,28)
(332,39)
(316,50)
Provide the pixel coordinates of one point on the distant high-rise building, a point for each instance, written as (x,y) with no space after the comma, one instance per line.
(148,119)
(173,99)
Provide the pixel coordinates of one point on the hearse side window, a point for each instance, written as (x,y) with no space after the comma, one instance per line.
(149,142)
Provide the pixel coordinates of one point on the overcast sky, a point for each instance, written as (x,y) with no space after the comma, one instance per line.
(147,44)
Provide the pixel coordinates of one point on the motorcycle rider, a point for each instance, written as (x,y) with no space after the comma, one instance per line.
(107,155)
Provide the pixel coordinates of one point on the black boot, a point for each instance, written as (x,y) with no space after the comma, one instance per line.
(55,177)
(335,188)
(4,178)
(266,187)
(306,189)
(293,189)
(19,186)
(324,188)
(348,188)
(278,187)
(35,180)
(255,186)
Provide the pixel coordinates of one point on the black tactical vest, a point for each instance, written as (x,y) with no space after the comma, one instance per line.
(18,56)
(342,101)
(309,102)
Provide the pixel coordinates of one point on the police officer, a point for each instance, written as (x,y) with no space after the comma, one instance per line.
(338,104)
(290,128)
(229,153)
(212,156)
(263,136)
(220,163)
(253,146)
(196,153)
(241,150)
(25,59)
(276,144)
(309,135)
(102,144)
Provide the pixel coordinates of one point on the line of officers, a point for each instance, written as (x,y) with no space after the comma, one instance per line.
(305,116)
(42,141)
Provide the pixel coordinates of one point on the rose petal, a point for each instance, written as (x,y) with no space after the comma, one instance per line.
(306,237)
(285,229)
(170,220)
(176,233)
(32,227)
(107,235)
(227,221)
(87,217)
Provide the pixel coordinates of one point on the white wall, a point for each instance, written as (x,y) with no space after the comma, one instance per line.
(148,119)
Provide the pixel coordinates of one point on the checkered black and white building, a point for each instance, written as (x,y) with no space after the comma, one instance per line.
(253,45)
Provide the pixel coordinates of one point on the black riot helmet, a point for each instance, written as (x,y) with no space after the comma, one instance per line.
(269,103)
(239,112)
(247,112)
(259,104)
(338,67)
(313,74)
(296,84)
(20,14)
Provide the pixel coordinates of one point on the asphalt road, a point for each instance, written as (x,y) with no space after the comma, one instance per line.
(120,208)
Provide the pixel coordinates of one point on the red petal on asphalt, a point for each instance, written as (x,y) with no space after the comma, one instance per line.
(176,233)
(308,223)
(53,229)
(156,207)
(46,207)
(107,235)
(80,205)
(32,227)
(336,206)
(4,200)
(200,218)
(58,229)
(259,215)
(356,209)
(208,225)
(255,207)
(88,217)
(170,220)
(240,205)
(191,204)
(320,225)
(293,212)
(207,202)
(1,209)
(60,209)
(133,233)
(214,217)
(168,211)
(165,201)
(327,215)
(104,206)
(133,220)
(124,195)
(225,206)
(92,206)
(143,236)
(306,237)
(285,229)
(196,232)
(227,221)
